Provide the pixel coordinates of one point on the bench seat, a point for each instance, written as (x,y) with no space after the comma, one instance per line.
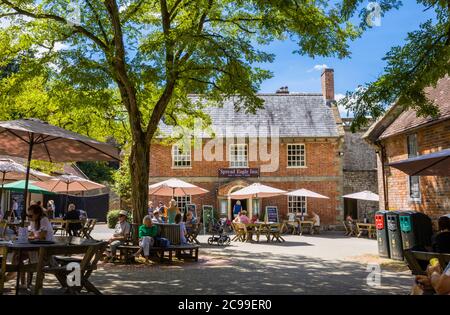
(193,251)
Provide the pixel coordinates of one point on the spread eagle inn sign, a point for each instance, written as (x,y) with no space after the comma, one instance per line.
(238,172)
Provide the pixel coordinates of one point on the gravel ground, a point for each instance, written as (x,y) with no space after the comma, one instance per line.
(326,264)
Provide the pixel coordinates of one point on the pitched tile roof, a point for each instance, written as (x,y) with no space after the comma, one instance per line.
(294,114)
(408,119)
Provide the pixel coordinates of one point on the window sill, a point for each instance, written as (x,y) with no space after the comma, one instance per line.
(294,167)
(181,167)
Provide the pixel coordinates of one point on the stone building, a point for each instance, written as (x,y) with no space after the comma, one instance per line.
(305,146)
(360,171)
(401,134)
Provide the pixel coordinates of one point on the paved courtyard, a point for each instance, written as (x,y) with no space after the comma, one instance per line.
(327,264)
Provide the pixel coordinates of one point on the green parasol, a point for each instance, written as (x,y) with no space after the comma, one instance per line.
(19,186)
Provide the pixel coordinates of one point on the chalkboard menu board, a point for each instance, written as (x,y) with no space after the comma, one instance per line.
(271,214)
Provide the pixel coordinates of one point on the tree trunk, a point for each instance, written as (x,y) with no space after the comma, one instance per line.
(139,168)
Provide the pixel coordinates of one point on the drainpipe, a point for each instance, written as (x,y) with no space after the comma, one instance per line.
(385,184)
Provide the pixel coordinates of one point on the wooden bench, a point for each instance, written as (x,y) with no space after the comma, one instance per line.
(128,249)
(418,261)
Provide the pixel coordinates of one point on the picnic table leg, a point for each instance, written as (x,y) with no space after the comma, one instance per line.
(196,254)
(90,287)
(19,265)
(40,272)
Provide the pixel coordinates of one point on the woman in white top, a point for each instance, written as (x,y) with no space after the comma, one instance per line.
(40,225)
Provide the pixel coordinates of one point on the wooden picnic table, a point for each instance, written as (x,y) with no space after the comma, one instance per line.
(298,226)
(62,246)
(272,230)
(59,224)
(369,227)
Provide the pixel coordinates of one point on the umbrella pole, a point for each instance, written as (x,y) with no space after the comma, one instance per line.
(27,178)
(1,192)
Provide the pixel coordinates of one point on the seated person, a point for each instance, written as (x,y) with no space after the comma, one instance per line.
(40,227)
(121,233)
(147,233)
(243,217)
(316,219)
(183,232)
(157,217)
(436,281)
(190,219)
(254,218)
(441,241)
(73,214)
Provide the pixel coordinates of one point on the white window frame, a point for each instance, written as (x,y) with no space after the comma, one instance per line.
(304,155)
(181,157)
(238,163)
(183,201)
(411,155)
(297,199)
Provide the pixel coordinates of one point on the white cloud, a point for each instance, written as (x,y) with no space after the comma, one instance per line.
(318,68)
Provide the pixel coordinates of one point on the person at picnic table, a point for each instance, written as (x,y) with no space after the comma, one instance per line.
(147,233)
(172,211)
(190,220)
(237,208)
(163,211)
(15,208)
(254,218)
(242,218)
(156,216)
(40,227)
(50,209)
(441,240)
(436,281)
(72,214)
(150,208)
(121,233)
(315,218)
(179,220)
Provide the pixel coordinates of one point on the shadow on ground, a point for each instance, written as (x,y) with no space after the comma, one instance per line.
(247,273)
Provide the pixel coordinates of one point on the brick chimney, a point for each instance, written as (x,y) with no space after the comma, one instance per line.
(328,84)
(283,90)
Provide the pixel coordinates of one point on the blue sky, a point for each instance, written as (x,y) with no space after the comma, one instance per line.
(364,65)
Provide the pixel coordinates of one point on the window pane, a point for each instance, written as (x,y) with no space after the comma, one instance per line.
(297,204)
(296,154)
(238,155)
(181,156)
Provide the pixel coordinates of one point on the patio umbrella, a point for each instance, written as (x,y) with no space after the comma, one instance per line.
(69,183)
(257,190)
(32,138)
(12,171)
(363,195)
(433,164)
(306,193)
(19,186)
(175,187)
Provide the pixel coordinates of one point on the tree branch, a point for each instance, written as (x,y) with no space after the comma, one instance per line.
(77,28)
(99,22)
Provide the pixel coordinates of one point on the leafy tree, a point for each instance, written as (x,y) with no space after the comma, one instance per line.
(139,59)
(97,171)
(411,68)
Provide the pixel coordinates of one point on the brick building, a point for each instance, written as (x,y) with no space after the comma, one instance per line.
(400,134)
(304,136)
(360,171)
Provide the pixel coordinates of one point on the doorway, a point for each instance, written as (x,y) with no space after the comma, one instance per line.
(351,208)
(244,204)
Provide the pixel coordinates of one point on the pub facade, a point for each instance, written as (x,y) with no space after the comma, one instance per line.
(295,141)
